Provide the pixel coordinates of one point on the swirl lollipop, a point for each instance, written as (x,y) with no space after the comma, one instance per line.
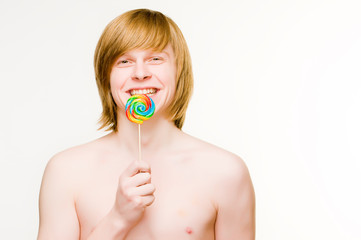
(139,108)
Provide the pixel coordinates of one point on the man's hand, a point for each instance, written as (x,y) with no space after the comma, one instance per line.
(134,193)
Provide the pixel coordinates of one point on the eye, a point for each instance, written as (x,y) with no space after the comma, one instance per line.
(124,62)
(156,60)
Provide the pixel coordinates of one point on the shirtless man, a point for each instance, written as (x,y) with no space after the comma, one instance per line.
(183,188)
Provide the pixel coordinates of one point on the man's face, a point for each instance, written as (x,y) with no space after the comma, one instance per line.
(144,72)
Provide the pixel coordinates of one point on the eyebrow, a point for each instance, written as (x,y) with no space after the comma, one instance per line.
(160,52)
(167,53)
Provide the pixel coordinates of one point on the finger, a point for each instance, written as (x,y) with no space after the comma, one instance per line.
(144,167)
(144,190)
(135,167)
(139,179)
(147,200)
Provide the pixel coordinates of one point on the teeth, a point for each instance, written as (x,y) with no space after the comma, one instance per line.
(149,91)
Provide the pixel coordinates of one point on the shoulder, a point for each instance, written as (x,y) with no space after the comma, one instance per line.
(225,173)
(72,161)
(61,182)
(222,160)
(223,165)
(70,157)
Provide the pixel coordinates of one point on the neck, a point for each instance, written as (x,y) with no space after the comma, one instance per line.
(157,134)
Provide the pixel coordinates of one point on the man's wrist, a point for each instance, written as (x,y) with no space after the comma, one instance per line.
(118,225)
(112,226)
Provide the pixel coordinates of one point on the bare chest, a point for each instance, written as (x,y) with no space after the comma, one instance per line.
(182,208)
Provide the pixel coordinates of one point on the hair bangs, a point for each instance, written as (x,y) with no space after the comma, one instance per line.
(145,30)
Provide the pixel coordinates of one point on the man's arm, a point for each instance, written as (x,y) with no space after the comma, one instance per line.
(58,218)
(236,206)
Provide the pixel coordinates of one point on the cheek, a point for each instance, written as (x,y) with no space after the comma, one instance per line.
(168,76)
(173,81)
(117,83)
(116,80)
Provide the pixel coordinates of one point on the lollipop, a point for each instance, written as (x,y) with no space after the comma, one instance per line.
(139,108)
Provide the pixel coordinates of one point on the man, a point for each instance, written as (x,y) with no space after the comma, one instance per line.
(183,188)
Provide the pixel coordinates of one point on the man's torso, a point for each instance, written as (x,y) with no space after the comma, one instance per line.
(184,206)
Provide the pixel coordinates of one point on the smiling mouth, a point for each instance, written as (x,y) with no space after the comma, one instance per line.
(146,91)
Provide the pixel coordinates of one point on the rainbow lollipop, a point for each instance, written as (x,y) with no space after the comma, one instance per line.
(139,108)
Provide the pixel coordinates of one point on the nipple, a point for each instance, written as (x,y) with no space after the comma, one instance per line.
(189,230)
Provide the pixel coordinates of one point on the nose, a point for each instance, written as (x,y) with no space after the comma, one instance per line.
(141,72)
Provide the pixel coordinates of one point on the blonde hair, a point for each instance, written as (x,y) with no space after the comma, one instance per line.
(142,29)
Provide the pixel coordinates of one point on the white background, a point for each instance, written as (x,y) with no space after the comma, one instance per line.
(276,82)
